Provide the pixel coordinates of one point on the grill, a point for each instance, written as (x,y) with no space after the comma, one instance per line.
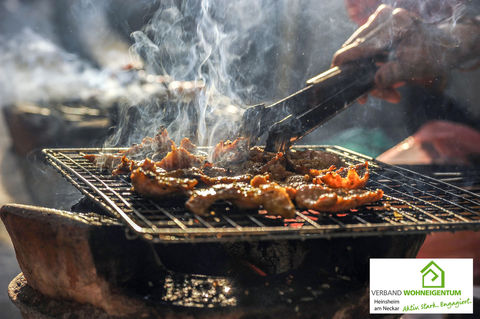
(466,177)
(413,203)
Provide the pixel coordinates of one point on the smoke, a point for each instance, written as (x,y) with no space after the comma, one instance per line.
(241,53)
(225,46)
(35,70)
(220,43)
(205,61)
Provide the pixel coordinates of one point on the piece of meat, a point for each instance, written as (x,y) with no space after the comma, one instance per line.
(226,179)
(325,199)
(291,191)
(260,180)
(239,193)
(152,147)
(303,161)
(252,164)
(156,146)
(124,168)
(179,158)
(273,198)
(247,167)
(320,172)
(276,201)
(147,165)
(230,151)
(188,145)
(149,184)
(259,155)
(295,181)
(214,171)
(104,161)
(351,181)
(192,173)
(277,168)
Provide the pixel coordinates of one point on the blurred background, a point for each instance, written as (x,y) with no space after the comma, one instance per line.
(109,72)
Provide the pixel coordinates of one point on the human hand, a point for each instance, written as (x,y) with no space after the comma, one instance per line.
(417,52)
(436,142)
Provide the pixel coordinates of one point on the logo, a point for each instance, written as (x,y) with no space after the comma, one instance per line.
(433,276)
(402,293)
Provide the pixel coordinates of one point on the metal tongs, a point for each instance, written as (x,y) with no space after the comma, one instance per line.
(293,117)
(327,94)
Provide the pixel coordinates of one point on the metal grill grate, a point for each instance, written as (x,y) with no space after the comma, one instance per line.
(413,203)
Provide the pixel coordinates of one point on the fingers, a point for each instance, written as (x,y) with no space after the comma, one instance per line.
(359,11)
(399,84)
(381,15)
(353,53)
(384,28)
(388,78)
(392,74)
(353,49)
(363,99)
(390,95)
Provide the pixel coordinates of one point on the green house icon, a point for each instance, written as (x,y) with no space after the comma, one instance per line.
(433,276)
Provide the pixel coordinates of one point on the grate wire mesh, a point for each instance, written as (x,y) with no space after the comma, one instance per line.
(413,203)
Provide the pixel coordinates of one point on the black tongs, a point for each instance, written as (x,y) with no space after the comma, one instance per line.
(293,117)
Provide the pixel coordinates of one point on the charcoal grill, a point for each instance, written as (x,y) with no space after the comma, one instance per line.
(413,204)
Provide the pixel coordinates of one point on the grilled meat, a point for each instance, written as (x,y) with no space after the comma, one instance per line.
(296,181)
(214,171)
(188,145)
(179,158)
(230,151)
(260,180)
(249,179)
(277,167)
(154,168)
(273,198)
(149,184)
(156,146)
(325,199)
(105,161)
(226,179)
(126,166)
(334,179)
(303,161)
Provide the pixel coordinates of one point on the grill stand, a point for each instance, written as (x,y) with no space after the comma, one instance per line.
(85,258)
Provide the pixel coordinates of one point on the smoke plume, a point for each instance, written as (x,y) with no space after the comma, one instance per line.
(223,46)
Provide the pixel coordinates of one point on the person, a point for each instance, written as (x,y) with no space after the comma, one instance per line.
(424,41)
